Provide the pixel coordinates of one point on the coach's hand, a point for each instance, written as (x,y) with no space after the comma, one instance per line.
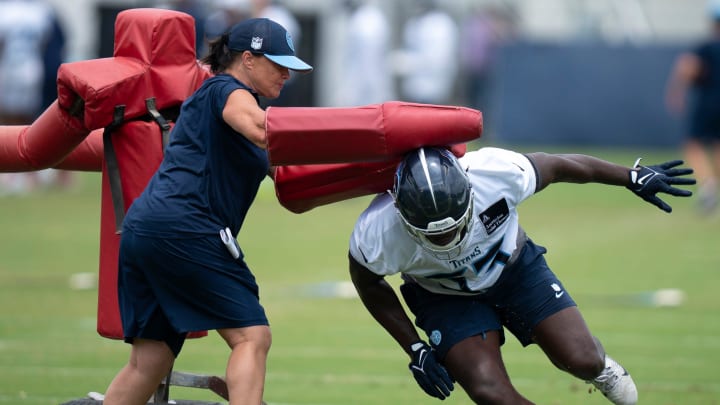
(647,181)
(429,374)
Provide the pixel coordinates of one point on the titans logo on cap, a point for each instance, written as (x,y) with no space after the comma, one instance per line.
(288,38)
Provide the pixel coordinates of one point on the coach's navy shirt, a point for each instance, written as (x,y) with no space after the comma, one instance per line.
(210,173)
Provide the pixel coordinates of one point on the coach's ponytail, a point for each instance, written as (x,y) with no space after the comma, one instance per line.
(219,56)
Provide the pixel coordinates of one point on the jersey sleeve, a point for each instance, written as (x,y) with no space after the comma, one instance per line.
(221,91)
(508,172)
(375,242)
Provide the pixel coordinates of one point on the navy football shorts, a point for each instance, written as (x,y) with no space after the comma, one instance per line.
(705,125)
(526,293)
(169,287)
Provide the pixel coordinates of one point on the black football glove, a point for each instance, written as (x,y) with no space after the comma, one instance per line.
(647,181)
(429,374)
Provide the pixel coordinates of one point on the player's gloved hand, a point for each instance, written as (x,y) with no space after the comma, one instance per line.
(429,374)
(647,181)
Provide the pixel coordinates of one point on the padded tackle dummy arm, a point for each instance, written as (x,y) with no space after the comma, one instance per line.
(300,188)
(311,135)
(46,143)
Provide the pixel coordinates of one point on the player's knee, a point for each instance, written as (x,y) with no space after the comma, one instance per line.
(489,393)
(585,364)
(489,385)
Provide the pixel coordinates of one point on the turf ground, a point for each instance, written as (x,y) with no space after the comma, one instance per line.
(606,245)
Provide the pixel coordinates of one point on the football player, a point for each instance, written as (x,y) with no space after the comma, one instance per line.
(450,227)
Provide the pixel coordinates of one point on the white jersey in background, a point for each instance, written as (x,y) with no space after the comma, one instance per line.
(500,180)
(24,30)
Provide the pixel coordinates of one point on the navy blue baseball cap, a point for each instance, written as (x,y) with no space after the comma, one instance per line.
(266,37)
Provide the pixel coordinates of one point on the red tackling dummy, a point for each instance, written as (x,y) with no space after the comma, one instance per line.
(312,147)
(304,187)
(154,58)
(379,132)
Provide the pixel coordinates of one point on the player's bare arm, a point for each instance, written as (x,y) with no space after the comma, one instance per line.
(383,304)
(577,168)
(687,70)
(645,181)
(381,301)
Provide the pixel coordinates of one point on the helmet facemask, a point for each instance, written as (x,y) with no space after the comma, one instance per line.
(434,199)
(444,239)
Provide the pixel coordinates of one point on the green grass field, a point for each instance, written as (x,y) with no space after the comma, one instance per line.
(603,242)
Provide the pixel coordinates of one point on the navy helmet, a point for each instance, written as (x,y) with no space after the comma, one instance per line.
(433,197)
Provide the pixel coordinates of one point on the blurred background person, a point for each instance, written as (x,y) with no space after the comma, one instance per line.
(365,62)
(32,42)
(482,32)
(694,89)
(277,12)
(223,15)
(429,57)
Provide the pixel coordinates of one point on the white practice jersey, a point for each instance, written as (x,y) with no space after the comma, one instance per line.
(500,179)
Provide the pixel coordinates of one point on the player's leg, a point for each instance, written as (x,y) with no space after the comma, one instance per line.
(700,153)
(711,197)
(245,374)
(536,308)
(696,156)
(566,340)
(476,363)
(571,348)
(715,153)
(150,361)
(466,335)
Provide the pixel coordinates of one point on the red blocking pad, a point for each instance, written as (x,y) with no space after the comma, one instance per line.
(379,132)
(300,188)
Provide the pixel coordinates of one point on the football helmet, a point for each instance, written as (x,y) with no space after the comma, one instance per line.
(434,199)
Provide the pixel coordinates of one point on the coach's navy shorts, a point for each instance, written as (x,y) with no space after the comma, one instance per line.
(526,293)
(169,287)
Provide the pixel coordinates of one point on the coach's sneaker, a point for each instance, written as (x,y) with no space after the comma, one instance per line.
(616,384)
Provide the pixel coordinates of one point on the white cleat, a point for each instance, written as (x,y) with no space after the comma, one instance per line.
(616,384)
